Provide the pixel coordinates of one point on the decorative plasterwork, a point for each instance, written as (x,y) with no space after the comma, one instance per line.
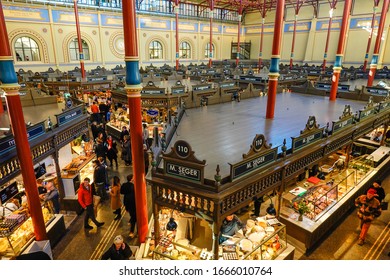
(117,44)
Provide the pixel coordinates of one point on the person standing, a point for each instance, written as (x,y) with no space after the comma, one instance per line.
(52,195)
(126,150)
(369,209)
(95,112)
(99,179)
(124,132)
(115,193)
(127,189)
(85,199)
(146,159)
(145,134)
(380,191)
(118,251)
(112,152)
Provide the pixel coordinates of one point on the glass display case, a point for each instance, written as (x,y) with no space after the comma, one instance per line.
(171,250)
(262,240)
(363,165)
(321,197)
(16,232)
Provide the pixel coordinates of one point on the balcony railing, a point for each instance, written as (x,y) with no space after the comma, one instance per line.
(162,7)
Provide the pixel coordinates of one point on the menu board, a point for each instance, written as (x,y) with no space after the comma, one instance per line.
(8,192)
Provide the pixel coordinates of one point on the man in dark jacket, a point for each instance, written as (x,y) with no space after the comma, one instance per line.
(99,179)
(127,189)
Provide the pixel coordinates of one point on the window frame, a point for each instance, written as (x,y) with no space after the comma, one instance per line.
(187,50)
(27,52)
(74,50)
(152,49)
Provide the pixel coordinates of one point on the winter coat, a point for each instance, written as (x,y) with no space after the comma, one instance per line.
(126,151)
(84,196)
(121,254)
(369,209)
(99,175)
(115,197)
(112,152)
(127,189)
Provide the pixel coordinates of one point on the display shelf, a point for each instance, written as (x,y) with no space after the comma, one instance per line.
(321,197)
(170,250)
(261,240)
(13,243)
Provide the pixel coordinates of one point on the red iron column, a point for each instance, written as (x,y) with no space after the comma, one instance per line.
(275,58)
(340,51)
(211,33)
(376,3)
(176,8)
(81,54)
(375,55)
(332,7)
(239,33)
(133,90)
(263,14)
(297,7)
(9,83)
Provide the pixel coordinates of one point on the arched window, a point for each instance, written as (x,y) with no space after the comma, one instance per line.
(155,50)
(207,50)
(74,49)
(185,50)
(26,49)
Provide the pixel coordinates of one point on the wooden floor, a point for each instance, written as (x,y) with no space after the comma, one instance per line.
(221,133)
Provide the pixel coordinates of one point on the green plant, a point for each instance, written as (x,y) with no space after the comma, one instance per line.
(303,208)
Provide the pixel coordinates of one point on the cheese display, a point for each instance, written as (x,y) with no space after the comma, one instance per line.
(261,241)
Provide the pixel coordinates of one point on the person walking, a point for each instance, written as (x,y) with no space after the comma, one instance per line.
(115,193)
(127,189)
(369,209)
(85,199)
(99,179)
(118,251)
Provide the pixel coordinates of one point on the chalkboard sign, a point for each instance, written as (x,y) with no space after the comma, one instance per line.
(305,140)
(68,116)
(8,143)
(97,79)
(326,86)
(384,105)
(377,91)
(253,163)
(250,79)
(8,192)
(178,90)
(201,87)
(366,113)
(227,84)
(183,171)
(337,126)
(153,91)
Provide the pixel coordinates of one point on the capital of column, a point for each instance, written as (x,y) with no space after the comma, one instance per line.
(10,89)
(131,58)
(133,91)
(273,76)
(337,69)
(6,58)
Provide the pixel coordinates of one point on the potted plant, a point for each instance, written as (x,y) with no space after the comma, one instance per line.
(302,209)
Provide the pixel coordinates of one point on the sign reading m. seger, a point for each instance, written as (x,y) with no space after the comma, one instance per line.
(181,171)
(253,163)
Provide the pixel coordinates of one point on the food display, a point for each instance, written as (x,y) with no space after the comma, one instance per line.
(261,240)
(321,197)
(168,249)
(75,165)
(17,232)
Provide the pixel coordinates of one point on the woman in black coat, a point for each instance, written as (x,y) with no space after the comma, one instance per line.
(126,150)
(112,151)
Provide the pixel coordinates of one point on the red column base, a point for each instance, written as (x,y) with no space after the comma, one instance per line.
(271,99)
(335,83)
(371,76)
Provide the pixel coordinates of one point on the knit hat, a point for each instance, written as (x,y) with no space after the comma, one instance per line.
(371,191)
(118,239)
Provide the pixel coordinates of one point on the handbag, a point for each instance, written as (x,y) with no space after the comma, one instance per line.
(384,205)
